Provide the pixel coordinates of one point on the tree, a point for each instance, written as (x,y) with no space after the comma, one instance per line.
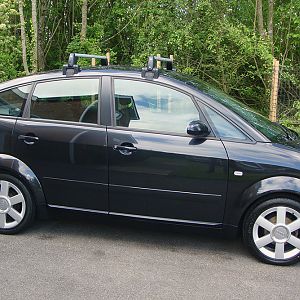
(10,51)
(84,11)
(23,37)
(35,36)
(229,43)
(270,24)
(260,18)
(41,35)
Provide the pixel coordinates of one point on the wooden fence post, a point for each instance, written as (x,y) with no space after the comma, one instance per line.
(108,57)
(93,62)
(158,62)
(274,91)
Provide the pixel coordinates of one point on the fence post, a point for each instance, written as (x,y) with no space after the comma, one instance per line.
(93,62)
(158,64)
(108,56)
(274,91)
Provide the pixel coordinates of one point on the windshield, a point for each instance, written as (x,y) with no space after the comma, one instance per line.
(271,130)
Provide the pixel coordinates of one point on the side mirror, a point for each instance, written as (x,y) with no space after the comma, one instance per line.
(198,129)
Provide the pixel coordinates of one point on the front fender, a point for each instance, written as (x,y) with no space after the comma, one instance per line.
(260,189)
(18,168)
(278,184)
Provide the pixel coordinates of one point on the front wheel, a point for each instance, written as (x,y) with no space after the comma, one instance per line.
(272,231)
(17,209)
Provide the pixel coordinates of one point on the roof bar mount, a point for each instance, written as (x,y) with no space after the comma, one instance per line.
(152,70)
(72,68)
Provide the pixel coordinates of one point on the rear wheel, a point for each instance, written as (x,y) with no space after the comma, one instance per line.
(17,209)
(272,231)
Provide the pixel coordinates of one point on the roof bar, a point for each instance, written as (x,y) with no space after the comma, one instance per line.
(72,68)
(73,58)
(154,59)
(151,71)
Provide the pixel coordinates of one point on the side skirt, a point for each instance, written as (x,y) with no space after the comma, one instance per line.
(188,222)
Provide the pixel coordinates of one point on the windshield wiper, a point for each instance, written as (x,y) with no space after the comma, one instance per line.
(290,134)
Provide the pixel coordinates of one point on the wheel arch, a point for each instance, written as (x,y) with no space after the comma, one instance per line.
(13,166)
(270,188)
(269,196)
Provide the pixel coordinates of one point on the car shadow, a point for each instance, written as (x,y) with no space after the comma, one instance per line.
(155,235)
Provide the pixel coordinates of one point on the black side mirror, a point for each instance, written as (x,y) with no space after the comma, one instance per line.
(198,129)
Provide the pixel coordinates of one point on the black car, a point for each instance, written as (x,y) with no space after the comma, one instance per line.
(152,145)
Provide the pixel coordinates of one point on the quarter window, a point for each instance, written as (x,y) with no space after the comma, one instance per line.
(66,100)
(224,129)
(12,100)
(148,106)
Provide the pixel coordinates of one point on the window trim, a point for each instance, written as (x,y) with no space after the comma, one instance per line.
(38,120)
(192,98)
(27,107)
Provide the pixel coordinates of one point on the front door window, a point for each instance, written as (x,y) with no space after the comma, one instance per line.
(152,107)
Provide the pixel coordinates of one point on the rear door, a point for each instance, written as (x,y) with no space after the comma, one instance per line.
(155,169)
(61,140)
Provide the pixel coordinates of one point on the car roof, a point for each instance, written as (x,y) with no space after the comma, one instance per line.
(57,74)
(171,78)
(165,76)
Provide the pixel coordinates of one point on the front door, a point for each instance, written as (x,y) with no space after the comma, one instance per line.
(155,169)
(61,141)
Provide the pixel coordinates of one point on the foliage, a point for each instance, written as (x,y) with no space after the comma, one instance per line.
(215,40)
(10,52)
(293,123)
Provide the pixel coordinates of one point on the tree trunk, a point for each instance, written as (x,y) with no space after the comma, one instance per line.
(35,36)
(260,19)
(41,36)
(270,24)
(84,11)
(23,37)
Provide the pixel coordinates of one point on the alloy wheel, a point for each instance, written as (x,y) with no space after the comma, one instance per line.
(12,205)
(276,233)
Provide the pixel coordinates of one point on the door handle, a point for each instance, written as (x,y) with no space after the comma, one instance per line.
(125,149)
(28,139)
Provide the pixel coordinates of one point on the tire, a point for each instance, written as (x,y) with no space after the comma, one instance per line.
(271,231)
(17,209)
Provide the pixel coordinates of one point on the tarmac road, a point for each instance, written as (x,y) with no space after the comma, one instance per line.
(81,257)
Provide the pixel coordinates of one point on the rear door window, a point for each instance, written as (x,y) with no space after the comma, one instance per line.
(74,100)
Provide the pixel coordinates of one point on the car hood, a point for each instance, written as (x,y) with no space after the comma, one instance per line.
(291,143)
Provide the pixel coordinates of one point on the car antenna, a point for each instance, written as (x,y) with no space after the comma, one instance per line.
(152,70)
(72,68)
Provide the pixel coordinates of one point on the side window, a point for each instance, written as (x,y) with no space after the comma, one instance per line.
(143,105)
(224,129)
(73,100)
(11,101)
